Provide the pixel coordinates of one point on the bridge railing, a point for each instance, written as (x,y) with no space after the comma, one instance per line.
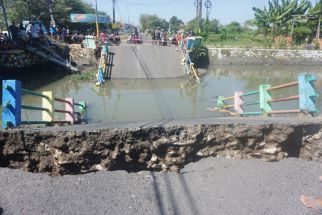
(12,107)
(238,104)
(186,46)
(105,65)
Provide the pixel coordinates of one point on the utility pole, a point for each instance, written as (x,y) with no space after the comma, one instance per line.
(97,26)
(5,17)
(114,11)
(52,20)
(197,13)
(200,15)
(208,8)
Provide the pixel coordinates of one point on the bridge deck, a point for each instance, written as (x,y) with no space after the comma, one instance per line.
(146,61)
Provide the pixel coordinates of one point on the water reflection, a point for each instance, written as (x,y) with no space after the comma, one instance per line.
(122,100)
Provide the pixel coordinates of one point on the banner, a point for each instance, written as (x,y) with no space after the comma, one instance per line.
(91,18)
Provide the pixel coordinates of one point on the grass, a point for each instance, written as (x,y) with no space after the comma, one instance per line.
(87,75)
(238,41)
(247,40)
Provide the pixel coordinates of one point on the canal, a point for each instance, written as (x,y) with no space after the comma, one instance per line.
(127,100)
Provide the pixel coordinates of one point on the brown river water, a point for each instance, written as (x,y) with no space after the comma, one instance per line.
(126,100)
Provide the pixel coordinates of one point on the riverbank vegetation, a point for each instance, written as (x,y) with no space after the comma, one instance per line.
(283,24)
(20,10)
(86,75)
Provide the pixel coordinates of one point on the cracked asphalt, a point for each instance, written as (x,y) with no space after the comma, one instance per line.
(210,186)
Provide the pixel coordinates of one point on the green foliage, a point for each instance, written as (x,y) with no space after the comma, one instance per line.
(244,40)
(174,23)
(200,56)
(210,26)
(213,26)
(277,19)
(234,27)
(150,22)
(20,10)
(84,76)
(300,34)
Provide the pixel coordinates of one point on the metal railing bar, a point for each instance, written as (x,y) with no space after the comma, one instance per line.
(284,99)
(34,122)
(62,111)
(34,93)
(61,122)
(228,98)
(62,100)
(285,111)
(250,93)
(251,103)
(282,86)
(27,107)
(251,113)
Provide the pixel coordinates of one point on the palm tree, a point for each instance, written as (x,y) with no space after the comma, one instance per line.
(279,15)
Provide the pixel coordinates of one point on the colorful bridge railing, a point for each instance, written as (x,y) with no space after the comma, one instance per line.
(104,71)
(12,107)
(186,46)
(263,98)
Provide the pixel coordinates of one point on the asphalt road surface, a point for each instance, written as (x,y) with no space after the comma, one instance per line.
(210,186)
(146,61)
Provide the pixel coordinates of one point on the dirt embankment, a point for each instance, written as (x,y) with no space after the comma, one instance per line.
(156,149)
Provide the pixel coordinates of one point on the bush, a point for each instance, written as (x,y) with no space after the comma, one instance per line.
(243,40)
(301,33)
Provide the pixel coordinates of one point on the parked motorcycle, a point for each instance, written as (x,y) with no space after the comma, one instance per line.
(115,40)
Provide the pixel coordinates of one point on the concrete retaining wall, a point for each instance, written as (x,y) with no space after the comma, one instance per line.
(264,56)
(158,149)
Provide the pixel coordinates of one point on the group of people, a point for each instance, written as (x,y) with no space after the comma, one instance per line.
(60,34)
(33,30)
(19,34)
(160,37)
(105,36)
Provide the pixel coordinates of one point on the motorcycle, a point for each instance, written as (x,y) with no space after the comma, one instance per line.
(134,40)
(114,40)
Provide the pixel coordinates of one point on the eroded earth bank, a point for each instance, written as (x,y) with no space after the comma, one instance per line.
(167,148)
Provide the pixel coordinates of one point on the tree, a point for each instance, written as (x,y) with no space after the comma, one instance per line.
(174,23)
(150,22)
(277,19)
(234,27)
(20,10)
(213,25)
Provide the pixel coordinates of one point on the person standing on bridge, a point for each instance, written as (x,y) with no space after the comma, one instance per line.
(153,37)
(14,30)
(158,35)
(179,38)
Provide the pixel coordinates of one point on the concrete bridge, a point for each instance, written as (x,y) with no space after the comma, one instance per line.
(146,61)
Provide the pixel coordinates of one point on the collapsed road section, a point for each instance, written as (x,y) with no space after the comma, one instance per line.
(158,148)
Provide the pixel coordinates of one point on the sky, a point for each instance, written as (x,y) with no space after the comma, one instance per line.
(225,11)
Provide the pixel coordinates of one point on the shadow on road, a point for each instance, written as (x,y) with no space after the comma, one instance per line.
(169,195)
(188,195)
(157,194)
(1,210)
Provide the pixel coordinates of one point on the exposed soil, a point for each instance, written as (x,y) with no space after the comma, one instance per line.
(154,149)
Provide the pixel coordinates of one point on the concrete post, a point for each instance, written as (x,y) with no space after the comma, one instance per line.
(11,103)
